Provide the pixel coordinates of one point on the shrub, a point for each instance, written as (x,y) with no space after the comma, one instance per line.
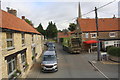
(114,51)
(108,47)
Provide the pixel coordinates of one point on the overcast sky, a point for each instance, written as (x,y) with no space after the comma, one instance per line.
(58,11)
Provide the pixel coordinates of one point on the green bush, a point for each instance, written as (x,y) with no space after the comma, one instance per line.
(108,47)
(114,51)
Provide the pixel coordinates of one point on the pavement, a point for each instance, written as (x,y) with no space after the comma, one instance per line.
(109,68)
(78,66)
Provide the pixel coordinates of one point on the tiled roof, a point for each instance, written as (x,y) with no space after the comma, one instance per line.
(62,35)
(10,21)
(105,24)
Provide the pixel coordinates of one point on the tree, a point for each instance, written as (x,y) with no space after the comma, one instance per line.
(51,31)
(29,22)
(65,31)
(72,26)
(40,29)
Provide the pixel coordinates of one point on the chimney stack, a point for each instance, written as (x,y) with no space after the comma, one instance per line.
(23,17)
(114,16)
(12,11)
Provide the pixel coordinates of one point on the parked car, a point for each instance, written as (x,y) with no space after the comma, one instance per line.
(50,44)
(51,49)
(49,62)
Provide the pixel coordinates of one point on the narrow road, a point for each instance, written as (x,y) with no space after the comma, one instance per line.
(69,66)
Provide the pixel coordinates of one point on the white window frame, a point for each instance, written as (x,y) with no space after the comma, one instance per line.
(23,55)
(112,33)
(86,35)
(93,34)
(117,43)
(10,39)
(13,70)
(23,38)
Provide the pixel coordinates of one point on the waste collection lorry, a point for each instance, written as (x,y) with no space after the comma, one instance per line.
(72,44)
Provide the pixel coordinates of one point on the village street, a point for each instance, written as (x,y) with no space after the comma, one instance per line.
(73,66)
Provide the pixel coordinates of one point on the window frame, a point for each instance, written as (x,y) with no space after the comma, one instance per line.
(32,38)
(10,40)
(93,34)
(23,39)
(12,61)
(87,34)
(112,33)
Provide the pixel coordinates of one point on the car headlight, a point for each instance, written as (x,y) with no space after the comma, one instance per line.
(42,64)
(55,64)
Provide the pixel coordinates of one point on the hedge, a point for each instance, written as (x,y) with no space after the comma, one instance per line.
(114,51)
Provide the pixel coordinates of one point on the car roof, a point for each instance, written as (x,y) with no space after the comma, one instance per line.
(49,53)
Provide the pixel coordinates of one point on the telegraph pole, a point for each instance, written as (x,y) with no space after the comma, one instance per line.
(98,45)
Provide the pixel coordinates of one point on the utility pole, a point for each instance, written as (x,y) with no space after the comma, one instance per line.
(98,45)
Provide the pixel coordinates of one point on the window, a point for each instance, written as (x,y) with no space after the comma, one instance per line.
(23,39)
(11,66)
(9,39)
(86,35)
(23,57)
(117,43)
(32,38)
(94,44)
(93,35)
(112,34)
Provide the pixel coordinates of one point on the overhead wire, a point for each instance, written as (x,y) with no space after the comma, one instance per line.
(99,7)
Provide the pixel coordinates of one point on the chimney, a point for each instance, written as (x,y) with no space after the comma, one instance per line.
(23,17)
(114,16)
(8,9)
(12,11)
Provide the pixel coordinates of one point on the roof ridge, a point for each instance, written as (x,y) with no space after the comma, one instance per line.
(10,21)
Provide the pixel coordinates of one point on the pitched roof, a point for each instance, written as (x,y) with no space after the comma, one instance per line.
(10,21)
(64,35)
(105,24)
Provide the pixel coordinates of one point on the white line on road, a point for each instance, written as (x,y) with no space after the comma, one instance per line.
(98,69)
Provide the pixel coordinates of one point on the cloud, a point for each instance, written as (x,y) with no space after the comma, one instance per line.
(62,13)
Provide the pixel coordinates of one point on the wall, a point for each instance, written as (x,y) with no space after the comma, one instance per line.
(18,47)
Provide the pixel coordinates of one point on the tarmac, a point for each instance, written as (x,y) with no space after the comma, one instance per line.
(108,68)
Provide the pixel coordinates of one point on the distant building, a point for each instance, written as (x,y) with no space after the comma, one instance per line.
(21,45)
(62,35)
(109,31)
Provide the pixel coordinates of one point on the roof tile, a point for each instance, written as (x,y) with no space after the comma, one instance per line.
(10,21)
(104,24)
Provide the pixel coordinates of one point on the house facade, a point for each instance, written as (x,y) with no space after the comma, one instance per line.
(108,30)
(21,46)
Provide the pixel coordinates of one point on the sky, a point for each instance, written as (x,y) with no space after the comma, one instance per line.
(60,12)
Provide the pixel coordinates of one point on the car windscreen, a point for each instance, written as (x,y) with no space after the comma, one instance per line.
(49,58)
(51,49)
(51,44)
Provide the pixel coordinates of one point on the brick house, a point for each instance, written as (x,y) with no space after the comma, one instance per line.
(109,31)
(21,45)
(62,35)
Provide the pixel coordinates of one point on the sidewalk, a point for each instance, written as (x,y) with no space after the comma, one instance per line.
(109,68)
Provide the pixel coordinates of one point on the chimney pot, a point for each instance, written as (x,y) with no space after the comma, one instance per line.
(114,16)
(23,17)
